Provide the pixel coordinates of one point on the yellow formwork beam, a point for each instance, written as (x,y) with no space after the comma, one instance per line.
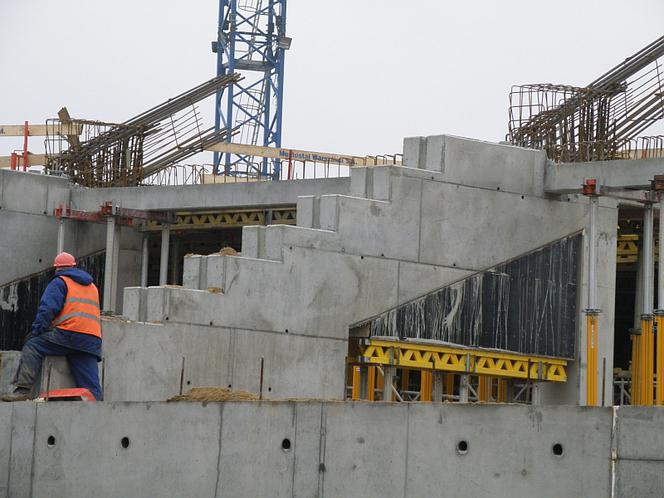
(659,390)
(421,356)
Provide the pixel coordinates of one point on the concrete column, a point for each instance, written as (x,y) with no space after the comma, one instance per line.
(61,236)
(108,270)
(388,373)
(463,388)
(175,257)
(145,256)
(163,262)
(116,268)
(437,391)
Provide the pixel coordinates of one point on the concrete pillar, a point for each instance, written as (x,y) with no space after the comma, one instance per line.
(437,391)
(61,236)
(116,267)
(388,372)
(463,388)
(145,256)
(108,270)
(163,262)
(175,257)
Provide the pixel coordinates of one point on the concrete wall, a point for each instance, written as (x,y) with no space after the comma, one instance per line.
(400,233)
(332,449)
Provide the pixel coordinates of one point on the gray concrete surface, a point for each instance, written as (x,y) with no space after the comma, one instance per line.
(8,365)
(622,174)
(332,449)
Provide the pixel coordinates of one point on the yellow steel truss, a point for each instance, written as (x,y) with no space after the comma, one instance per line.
(628,249)
(460,360)
(228,219)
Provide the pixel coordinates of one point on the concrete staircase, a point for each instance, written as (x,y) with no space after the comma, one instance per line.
(456,207)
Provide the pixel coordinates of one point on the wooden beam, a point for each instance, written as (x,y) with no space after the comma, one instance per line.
(276,153)
(33,160)
(41,130)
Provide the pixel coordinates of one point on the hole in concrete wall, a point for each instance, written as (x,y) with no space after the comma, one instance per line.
(269,389)
(286,444)
(40,260)
(50,441)
(286,331)
(497,188)
(229,386)
(166,318)
(462,447)
(523,196)
(188,382)
(557,449)
(124,442)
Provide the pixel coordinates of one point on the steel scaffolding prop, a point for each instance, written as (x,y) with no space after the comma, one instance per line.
(251,37)
(598,122)
(591,190)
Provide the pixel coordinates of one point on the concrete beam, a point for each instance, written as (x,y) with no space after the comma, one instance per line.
(567,178)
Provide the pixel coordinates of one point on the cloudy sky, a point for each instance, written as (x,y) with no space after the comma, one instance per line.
(360,75)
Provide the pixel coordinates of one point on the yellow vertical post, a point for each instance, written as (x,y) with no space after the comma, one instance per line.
(380,383)
(484,383)
(501,396)
(449,385)
(591,357)
(371,383)
(636,374)
(659,390)
(647,361)
(405,379)
(426,385)
(355,393)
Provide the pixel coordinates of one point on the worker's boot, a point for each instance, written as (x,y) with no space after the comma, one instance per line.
(19,394)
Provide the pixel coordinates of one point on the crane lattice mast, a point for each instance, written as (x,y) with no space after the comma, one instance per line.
(251,38)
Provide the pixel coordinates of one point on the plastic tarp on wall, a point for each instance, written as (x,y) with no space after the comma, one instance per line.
(526,305)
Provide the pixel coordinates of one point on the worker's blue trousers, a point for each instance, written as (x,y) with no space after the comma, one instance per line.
(83,365)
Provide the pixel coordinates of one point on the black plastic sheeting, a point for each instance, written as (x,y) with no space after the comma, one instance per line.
(526,305)
(19,300)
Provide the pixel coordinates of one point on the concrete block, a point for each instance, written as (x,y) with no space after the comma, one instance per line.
(254,437)
(25,193)
(273,244)
(638,433)
(250,240)
(414,152)
(8,364)
(493,166)
(215,275)
(191,271)
(382,183)
(60,374)
(435,155)
(642,478)
(135,303)
(329,212)
(360,182)
(157,303)
(306,212)
(23,420)
(171,449)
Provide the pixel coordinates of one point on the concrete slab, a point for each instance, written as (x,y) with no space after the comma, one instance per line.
(172,449)
(642,478)
(6,445)
(509,451)
(23,420)
(366,450)
(637,433)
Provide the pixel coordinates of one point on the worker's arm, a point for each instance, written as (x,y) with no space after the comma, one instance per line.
(52,301)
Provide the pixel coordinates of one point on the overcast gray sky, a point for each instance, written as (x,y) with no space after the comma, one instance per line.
(360,75)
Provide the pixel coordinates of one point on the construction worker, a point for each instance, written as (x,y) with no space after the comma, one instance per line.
(67,324)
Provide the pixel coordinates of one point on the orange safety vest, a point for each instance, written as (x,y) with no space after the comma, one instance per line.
(80,312)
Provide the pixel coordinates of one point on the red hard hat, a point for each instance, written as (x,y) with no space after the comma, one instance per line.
(64,260)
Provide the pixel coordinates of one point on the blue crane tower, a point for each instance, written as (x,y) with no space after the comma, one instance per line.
(251,38)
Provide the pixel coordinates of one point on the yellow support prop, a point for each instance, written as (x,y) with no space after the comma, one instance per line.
(355,393)
(484,389)
(371,383)
(659,397)
(636,376)
(502,391)
(591,358)
(648,361)
(426,385)
(380,383)
(449,385)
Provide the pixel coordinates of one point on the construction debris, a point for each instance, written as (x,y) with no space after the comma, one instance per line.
(215,394)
